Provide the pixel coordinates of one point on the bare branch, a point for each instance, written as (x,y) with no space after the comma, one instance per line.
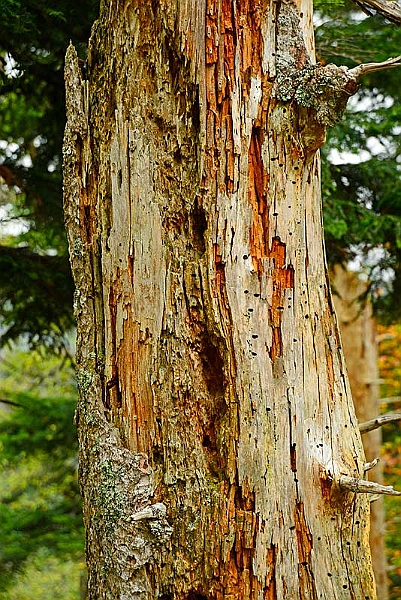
(389,10)
(379,421)
(361,486)
(390,400)
(367,68)
(10,402)
(370,465)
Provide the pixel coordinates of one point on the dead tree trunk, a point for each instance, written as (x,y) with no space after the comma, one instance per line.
(214,417)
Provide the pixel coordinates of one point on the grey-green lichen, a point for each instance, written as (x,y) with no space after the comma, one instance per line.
(84,380)
(78,248)
(110,499)
(122,491)
(323,89)
(127,530)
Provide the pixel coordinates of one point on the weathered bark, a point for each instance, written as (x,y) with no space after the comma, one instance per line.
(215,417)
(358,333)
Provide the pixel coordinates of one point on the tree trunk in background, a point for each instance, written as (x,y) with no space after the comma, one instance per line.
(358,333)
(214,413)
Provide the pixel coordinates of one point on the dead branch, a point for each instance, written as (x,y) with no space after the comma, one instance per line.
(367,68)
(379,421)
(370,465)
(389,10)
(390,400)
(361,486)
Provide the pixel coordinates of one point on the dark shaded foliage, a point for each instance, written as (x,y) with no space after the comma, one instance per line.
(362,196)
(33,40)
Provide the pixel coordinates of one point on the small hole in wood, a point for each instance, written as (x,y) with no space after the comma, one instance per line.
(206,443)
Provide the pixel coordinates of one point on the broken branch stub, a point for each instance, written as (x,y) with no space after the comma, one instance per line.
(379,421)
(361,486)
(365,69)
(370,465)
(389,10)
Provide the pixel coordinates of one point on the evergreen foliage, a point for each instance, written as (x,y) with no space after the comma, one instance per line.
(36,286)
(361,159)
(40,507)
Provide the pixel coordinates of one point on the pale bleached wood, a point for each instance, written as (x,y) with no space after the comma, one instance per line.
(379,422)
(389,9)
(361,486)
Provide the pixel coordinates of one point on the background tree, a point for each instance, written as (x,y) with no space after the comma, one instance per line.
(390,366)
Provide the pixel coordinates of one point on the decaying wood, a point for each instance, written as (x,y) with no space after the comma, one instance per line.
(386,8)
(360,486)
(371,464)
(215,418)
(379,422)
(367,68)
